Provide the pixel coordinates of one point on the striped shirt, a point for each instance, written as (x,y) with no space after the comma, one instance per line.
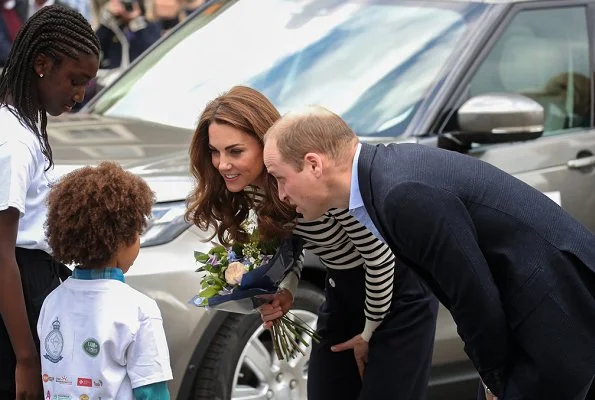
(342,242)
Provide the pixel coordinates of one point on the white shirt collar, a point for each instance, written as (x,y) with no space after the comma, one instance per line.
(355,196)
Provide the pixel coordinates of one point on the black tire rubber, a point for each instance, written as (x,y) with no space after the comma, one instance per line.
(215,374)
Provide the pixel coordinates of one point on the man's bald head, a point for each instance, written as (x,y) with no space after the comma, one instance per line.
(311,129)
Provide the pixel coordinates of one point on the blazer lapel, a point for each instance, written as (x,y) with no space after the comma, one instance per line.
(364,173)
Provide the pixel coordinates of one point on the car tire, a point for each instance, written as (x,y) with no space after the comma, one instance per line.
(216,374)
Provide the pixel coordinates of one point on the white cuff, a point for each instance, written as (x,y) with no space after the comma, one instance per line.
(290,282)
(369,329)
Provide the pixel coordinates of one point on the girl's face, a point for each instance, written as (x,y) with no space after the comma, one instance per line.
(62,84)
(237,156)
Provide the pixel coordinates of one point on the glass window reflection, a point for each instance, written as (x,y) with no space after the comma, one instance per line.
(372,62)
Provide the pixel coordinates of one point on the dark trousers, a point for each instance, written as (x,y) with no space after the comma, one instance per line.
(40,274)
(512,392)
(400,350)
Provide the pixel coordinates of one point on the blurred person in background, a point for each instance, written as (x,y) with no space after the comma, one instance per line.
(123,25)
(26,8)
(10,23)
(171,12)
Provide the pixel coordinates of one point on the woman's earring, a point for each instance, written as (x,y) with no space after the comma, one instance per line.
(41,75)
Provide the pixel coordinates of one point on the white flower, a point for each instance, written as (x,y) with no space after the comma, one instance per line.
(234,273)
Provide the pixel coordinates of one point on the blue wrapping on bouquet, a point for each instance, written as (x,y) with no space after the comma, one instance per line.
(257,286)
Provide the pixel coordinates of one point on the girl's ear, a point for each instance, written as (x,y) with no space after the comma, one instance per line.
(42,65)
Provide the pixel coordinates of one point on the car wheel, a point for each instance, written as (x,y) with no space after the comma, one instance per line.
(241,363)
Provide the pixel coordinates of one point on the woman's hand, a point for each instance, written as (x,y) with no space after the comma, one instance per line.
(278,307)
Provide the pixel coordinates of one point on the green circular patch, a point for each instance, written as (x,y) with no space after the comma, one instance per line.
(91,347)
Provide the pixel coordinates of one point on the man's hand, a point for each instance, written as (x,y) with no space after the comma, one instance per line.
(278,307)
(360,351)
(28,379)
(488,394)
(117,10)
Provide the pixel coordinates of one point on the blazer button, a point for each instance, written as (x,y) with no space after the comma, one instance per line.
(331,282)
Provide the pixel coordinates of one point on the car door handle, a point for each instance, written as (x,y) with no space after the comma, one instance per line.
(579,163)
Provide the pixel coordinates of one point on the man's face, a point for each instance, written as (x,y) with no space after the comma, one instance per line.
(303,189)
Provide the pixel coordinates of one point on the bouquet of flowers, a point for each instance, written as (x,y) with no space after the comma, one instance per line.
(243,277)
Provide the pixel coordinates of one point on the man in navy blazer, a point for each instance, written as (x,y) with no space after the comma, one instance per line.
(515,270)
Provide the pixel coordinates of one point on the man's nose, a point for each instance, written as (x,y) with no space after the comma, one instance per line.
(282,194)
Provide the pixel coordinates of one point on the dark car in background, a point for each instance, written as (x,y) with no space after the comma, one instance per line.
(508,82)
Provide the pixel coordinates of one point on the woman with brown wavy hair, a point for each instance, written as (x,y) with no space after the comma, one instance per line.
(219,199)
(363,293)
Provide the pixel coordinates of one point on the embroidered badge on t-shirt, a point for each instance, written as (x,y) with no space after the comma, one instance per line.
(91,347)
(54,343)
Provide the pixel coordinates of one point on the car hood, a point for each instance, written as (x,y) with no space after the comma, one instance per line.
(158,153)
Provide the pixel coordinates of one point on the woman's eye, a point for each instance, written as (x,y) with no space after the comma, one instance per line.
(235,151)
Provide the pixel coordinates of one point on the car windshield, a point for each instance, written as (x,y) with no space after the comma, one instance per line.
(372,62)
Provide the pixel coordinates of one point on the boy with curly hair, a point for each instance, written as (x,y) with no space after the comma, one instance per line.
(100,338)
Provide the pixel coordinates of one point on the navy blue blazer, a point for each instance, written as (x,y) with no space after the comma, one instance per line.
(516,271)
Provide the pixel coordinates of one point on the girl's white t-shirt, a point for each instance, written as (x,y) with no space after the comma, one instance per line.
(24,183)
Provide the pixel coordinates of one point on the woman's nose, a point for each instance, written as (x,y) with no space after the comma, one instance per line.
(224,164)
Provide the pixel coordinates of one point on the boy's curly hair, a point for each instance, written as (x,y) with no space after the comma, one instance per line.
(94,210)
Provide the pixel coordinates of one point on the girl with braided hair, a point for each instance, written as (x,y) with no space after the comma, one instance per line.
(53,57)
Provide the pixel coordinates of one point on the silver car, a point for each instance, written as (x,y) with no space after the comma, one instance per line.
(509,82)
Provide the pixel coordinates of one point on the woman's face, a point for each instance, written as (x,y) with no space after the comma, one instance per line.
(237,156)
(63,84)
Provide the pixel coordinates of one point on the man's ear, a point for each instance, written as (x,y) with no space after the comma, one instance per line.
(42,64)
(313,162)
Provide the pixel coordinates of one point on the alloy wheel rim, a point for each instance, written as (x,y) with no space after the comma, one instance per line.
(260,375)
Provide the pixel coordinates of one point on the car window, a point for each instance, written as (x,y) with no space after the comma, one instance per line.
(371,61)
(543,54)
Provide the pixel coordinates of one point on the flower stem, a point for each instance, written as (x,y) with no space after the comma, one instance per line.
(296,334)
(275,336)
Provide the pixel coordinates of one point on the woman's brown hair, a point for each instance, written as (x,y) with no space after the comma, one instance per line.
(210,203)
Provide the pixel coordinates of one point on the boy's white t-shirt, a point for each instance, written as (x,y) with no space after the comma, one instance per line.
(99,340)
(24,183)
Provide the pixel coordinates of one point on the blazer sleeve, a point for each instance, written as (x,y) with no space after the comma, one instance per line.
(294,272)
(434,230)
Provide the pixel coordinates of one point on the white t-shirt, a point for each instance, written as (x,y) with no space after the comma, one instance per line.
(99,340)
(24,183)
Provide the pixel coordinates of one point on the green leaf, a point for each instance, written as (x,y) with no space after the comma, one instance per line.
(209,292)
(218,250)
(201,257)
(210,268)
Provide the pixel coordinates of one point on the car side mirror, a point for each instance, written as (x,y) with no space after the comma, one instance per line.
(499,118)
